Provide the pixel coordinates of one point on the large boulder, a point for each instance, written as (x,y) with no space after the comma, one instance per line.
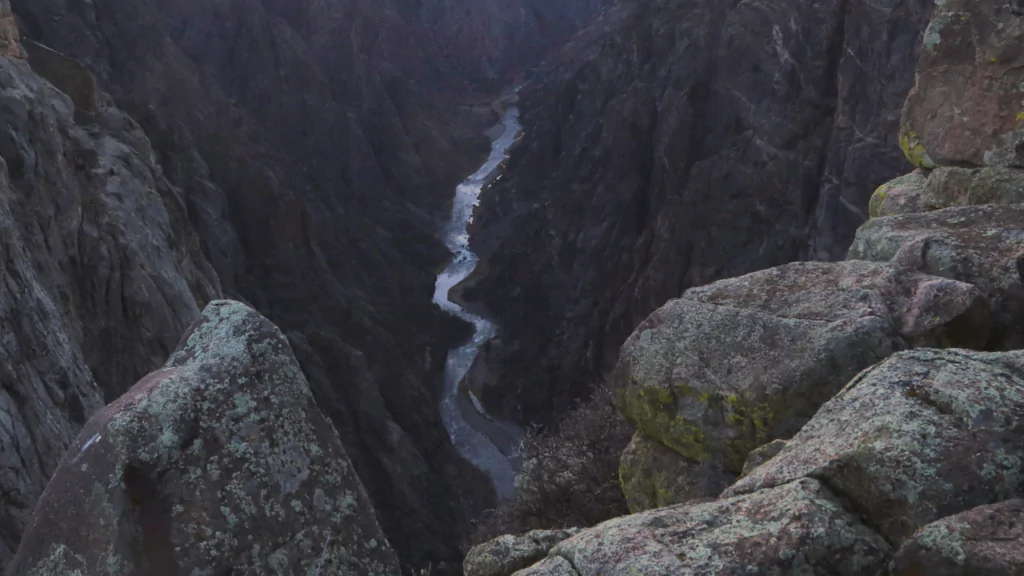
(985,540)
(921,436)
(965,106)
(733,365)
(219,462)
(509,553)
(946,187)
(799,528)
(981,245)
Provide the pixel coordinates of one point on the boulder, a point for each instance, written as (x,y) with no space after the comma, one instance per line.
(762,455)
(985,540)
(945,187)
(799,528)
(981,245)
(900,195)
(920,436)
(738,363)
(508,553)
(220,462)
(653,475)
(965,106)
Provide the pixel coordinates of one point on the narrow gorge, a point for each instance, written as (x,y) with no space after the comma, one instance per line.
(487,443)
(304,287)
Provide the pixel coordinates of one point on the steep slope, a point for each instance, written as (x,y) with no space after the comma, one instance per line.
(672,144)
(314,145)
(100,273)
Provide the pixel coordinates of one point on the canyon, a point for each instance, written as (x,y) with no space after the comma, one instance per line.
(325,265)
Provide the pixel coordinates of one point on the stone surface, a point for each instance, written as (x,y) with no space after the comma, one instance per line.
(218,462)
(100,274)
(799,528)
(920,436)
(945,187)
(986,540)
(762,455)
(507,554)
(738,363)
(671,144)
(653,475)
(980,245)
(965,107)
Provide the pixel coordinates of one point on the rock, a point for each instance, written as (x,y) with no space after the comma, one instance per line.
(799,528)
(313,145)
(671,144)
(67,75)
(920,436)
(101,274)
(945,187)
(762,455)
(218,462)
(654,476)
(10,45)
(980,245)
(965,106)
(738,363)
(985,540)
(900,195)
(507,554)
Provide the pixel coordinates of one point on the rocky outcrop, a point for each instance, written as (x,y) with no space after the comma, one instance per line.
(218,462)
(984,540)
(797,528)
(738,363)
(980,245)
(101,275)
(922,191)
(507,554)
(921,436)
(965,106)
(672,144)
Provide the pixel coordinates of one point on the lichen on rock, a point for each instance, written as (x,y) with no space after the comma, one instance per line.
(738,363)
(218,461)
(922,435)
(507,554)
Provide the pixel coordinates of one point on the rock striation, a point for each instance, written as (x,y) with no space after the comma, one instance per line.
(218,462)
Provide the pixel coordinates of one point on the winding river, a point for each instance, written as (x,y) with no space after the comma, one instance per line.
(470,428)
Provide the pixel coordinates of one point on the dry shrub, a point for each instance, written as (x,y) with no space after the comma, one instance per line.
(570,476)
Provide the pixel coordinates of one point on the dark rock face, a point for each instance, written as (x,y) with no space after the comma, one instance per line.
(101,272)
(672,144)
(218,462)
(311,154)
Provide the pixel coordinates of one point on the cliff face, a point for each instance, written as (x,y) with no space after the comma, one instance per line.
(100,272)
(672,144)
(311,145)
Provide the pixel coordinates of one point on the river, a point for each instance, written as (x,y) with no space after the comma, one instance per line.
(470,428)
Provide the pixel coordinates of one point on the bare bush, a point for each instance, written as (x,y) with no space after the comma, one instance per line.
(570,476)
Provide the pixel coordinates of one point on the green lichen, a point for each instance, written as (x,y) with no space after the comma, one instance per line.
(654,410)
(910,143)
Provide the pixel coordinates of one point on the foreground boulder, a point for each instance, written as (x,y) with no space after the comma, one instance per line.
(220,462)
(507,554)
(799,528)
(981,245)
(733,365)
(965,106)
(985,540)
(947,187)
(921,436)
